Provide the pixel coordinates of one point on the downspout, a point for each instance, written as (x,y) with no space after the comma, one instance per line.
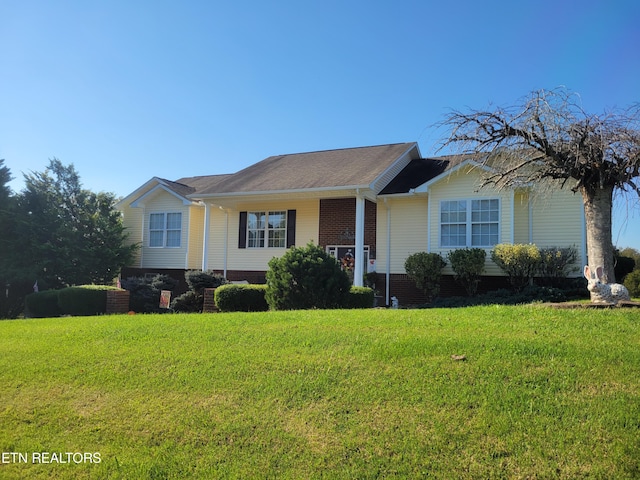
(186,252)
(513,216)
(387,297)
(142,239)
(205,237)
(530,206)
(226,241)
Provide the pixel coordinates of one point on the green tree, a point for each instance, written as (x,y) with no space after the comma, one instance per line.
(65,234)
(549,137)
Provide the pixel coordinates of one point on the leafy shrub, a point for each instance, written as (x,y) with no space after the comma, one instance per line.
(425,269)
(557,263)
(42,304)
(84,299)
(360,297)
(632,282)
(468,265)
(306,277)
(145,292)
(519,262)
(241,298)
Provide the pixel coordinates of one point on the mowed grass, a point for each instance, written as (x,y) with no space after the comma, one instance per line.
(543,393)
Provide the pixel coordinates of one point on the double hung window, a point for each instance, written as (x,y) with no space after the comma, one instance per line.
(266,229)
(165,229)
(469,223)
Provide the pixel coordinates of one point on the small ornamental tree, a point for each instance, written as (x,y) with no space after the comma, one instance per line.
(306,277)
(519,262)
(468,265)
(425,269)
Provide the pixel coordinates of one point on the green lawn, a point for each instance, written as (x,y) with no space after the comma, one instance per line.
(543,393)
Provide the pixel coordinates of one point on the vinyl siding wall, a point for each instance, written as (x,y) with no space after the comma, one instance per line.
(464,184)
(162,257)
(408,231)
(556,220)
(257,259)
(132,219)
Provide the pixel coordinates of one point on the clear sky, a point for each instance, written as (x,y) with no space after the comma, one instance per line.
(126,90)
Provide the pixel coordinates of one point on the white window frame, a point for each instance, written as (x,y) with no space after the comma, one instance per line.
(166,232)
(262,234)
(472,218)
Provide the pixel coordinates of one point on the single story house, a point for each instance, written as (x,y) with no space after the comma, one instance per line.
(369,206)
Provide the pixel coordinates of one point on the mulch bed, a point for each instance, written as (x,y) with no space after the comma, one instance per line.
(593,305)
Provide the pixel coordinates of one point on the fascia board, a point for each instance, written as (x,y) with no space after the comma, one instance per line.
(346,188)
(138,202)
(406,156)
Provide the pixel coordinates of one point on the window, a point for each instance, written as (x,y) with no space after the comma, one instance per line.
(269,227)
(469,223)
(165,229)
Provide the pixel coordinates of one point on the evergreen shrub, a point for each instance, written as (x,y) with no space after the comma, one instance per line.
(197,280)
(468,266)
(361,297)
(304,278)
(145,292)
(42,304)
(84,299)
(425,269)
(241,298)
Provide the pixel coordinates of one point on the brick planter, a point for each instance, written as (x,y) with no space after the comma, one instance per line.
(117,301)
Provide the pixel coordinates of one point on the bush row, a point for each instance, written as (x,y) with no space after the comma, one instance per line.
(252,298)
(80,300)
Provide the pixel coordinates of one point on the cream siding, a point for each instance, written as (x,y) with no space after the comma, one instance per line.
(464,184)
(163,257)
(257,259)
(521,217)
(196,234)
(408,231)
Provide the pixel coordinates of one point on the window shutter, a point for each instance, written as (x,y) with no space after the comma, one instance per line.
(291,228)
(242,231)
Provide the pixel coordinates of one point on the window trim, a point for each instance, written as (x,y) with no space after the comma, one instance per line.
(165,229)
(265,239)
(469,223)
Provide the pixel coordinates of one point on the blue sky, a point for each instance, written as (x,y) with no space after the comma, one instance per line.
(128,90)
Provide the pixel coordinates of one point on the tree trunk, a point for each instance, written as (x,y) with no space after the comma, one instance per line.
(597,212)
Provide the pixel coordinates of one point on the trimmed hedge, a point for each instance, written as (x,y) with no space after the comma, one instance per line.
(361,297)
(80,300)
(42,304)
(241,298)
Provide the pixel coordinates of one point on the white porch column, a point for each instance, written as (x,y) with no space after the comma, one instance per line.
(358,270)
(205,237)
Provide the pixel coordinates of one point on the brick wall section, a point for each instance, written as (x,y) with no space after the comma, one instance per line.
(117,301)
(337,215)
(209,301)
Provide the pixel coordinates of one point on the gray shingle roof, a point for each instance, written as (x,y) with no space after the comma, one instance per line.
(314,170)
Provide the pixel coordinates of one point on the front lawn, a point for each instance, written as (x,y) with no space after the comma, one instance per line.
(539,393)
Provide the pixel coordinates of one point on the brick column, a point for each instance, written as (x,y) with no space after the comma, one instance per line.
(209,301)
(117,301)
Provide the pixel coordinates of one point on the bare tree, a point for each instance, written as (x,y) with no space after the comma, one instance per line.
(549,136)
